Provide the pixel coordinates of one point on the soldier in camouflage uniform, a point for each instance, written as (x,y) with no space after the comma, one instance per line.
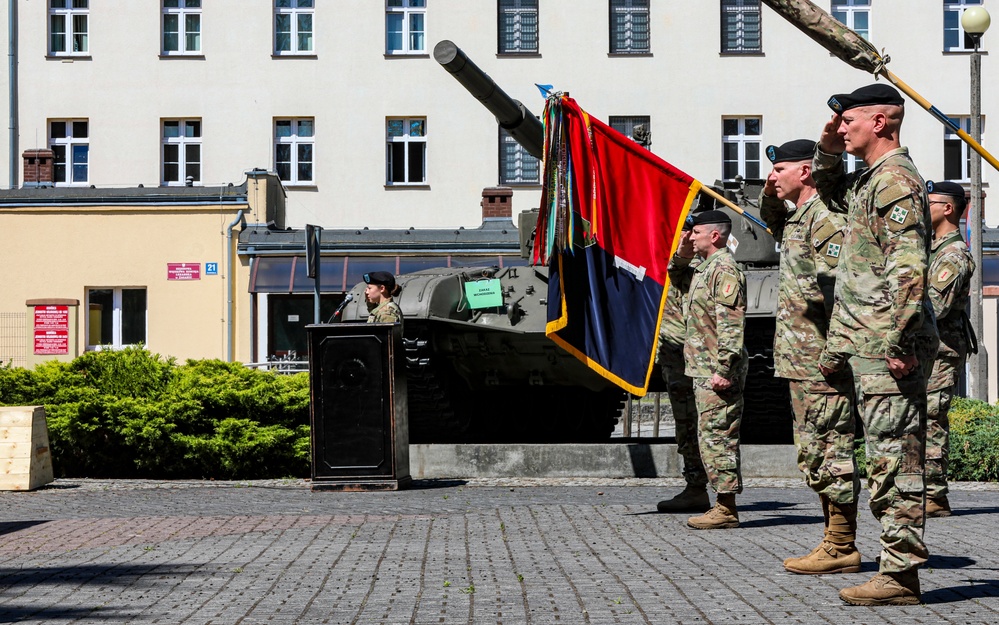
(882,328)
(715,357)
(951,267)
(378,295)
(672,332)
(811,240)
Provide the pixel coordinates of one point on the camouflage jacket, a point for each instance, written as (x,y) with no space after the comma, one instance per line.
(386,312)
(673,329)
(811,240)
(951,266)
(715,313)
(882,305)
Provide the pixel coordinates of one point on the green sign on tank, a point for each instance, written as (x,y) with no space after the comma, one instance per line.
(484,294)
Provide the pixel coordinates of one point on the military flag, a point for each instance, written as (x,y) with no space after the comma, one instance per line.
(609,222)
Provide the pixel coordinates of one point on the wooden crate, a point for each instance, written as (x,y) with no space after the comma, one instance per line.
(25,460)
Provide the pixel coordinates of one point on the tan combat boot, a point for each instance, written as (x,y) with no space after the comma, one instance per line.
(722,516)
(938,507)
(691,499)
(837,552)
(885,589)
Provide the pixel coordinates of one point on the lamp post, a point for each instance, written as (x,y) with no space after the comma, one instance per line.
(975,22)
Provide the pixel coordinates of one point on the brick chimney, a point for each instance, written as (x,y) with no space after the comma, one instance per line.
(497,203)
(38,168)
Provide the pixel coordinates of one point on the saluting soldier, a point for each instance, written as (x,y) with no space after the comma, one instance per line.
(715,357)
(378,295)
(951,267)
(810,235)
(882,328)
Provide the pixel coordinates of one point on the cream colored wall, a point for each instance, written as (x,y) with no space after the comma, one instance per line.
(63,252)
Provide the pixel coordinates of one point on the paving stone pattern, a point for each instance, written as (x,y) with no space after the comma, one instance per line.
(476,551)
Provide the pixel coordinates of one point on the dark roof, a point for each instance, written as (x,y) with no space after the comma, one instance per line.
(228,194)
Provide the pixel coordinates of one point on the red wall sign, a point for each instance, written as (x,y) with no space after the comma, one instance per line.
(183,271)
(51,330)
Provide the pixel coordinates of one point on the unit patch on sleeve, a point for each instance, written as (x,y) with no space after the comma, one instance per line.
(833,250)
(898,214)
(727,290)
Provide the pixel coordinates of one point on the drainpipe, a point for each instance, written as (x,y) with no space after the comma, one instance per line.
(12,88)
(229,281)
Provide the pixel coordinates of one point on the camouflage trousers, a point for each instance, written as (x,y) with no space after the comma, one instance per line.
(824,431)
(718,423)
(894,418)
(939,393)
(681,399)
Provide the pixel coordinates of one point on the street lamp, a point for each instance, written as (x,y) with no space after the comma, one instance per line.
(975,21)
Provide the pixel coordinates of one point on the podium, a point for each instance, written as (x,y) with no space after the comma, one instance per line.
(360,429)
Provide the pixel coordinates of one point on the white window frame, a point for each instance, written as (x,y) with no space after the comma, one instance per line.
(69,144)
(625,124)
(409,13)
(853,163)
(117,313)
(513,15)
(744,143)
(964,121)
(189,132)
(513,158)
(630,10)
(410,141)
(188,16)
(302,137)
(956,8)
(847,11)
(75,17)
(740,9)
(301,23)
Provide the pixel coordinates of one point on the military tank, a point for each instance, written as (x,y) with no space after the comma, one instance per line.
(479,366)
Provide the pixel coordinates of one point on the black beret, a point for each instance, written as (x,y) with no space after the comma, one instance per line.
(797,150)
(946,187)
(878,93)
(711,217)
(380,277)
(688,223)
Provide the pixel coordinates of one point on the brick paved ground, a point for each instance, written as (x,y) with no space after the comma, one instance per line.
(481,551)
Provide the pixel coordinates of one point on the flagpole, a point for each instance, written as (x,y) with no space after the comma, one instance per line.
(729,203)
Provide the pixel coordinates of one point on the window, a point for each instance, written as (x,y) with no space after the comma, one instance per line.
(405,26)
(181,26)
(293,26)
(855,15)
(406,155)
(957,153)
(69,140)
(851,163)
(741,147)
(517,165)
(117,317)
(181,151)
(741,29)
(294,143)
(629,26)
(636,127)
(955,39)
(68,27)
(518,26)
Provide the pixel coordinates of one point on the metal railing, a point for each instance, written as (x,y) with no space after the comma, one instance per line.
(646,417)
(13,339)
(287,363)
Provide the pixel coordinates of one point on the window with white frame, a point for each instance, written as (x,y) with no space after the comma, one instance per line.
(69,140)
(117,317)
(181,151)
(852,163)
(629,26)
(855,15)
(741,27)
(405,26)
(517,165)
(638,128)
(741,147)
(294,150)
(406,153)
(181,26)
(957,153)
(293,26)
(955,39)
(518,26)
(69,23)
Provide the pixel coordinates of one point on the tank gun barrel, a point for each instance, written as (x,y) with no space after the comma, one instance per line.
(510,114)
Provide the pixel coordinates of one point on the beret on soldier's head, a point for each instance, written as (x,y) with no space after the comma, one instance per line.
(711,217)
(797,150)
(878,93)
(952,189)
(380,277)
(688,223)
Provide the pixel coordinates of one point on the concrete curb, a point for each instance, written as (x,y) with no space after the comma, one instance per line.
(617,460)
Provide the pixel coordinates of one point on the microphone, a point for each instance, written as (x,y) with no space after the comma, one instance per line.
(339,309)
